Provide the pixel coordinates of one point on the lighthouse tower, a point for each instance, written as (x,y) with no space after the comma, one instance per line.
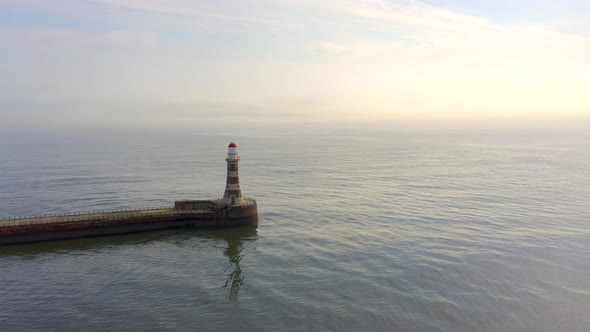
(233,193)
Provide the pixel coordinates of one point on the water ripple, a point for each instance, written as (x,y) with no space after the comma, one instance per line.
(358,231)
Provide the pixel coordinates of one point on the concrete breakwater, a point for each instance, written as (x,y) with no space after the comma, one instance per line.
(191,213)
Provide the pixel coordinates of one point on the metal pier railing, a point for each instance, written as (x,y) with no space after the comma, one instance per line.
(102,216)
(111,215)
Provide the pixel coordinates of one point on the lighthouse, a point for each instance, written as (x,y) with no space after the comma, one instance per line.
(233,193)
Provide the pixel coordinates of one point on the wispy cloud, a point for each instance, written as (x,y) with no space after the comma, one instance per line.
(373,27)
(115,38)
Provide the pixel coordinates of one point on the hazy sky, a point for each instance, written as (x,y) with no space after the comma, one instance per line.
(181,61)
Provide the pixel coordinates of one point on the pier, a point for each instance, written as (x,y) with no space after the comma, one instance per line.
(197,213)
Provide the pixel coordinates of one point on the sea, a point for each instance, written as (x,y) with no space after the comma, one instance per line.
(359,230)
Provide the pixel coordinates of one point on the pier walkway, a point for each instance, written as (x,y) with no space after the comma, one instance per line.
(97,216)
(214,209)
(196,213)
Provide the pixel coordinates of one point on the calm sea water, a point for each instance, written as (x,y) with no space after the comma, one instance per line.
(359,230)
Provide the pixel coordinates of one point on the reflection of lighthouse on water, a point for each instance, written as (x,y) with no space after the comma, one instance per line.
(235,245)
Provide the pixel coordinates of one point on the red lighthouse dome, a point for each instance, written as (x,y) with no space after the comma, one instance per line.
(232,145)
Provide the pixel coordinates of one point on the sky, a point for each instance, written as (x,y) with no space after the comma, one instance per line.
(171,62)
